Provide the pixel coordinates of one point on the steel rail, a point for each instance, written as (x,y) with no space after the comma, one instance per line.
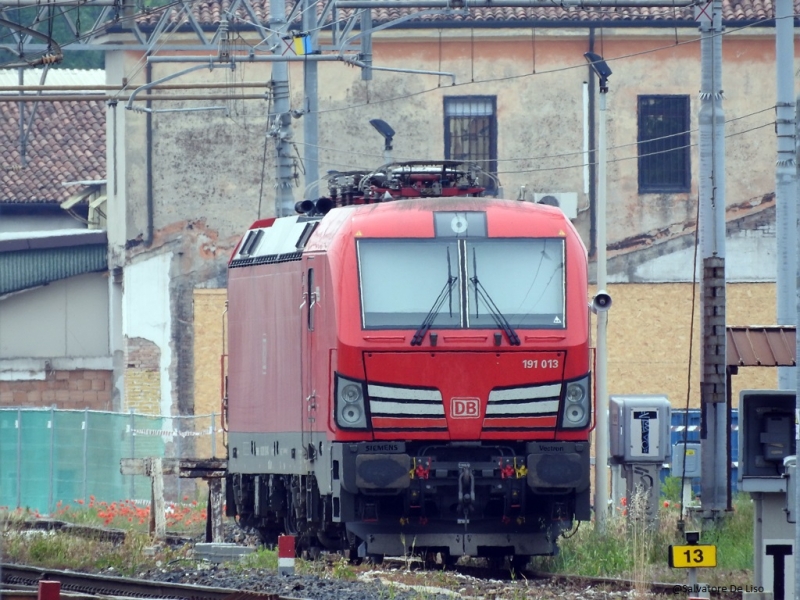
(118,586)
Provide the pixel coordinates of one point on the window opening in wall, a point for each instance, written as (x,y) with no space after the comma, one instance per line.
(470,133)
(664,144)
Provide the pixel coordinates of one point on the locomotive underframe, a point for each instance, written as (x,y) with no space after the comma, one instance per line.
(392,498)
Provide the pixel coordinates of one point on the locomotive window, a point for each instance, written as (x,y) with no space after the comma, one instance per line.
(311,299)
(251,242)
(403,282)
(524,279)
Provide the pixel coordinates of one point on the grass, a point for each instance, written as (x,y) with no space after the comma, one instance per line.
(59,550)
(262,558)
(629,548)
(632,549)
(68,550)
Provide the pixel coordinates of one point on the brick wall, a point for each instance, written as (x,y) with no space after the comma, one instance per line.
(142,376)
(209,307)
(76,390)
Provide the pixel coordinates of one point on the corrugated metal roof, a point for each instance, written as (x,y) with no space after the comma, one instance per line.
(761,346)
(12,241)
(23,269)
(71,77)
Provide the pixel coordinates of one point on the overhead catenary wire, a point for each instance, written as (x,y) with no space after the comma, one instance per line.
(102,28)
(376,155)
(694,40)
(691,353)
(489,80)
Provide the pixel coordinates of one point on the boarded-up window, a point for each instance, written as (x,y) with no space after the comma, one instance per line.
(664,157)
(470,133)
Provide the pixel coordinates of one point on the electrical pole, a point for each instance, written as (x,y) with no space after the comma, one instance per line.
(796,500)
(279,116)
(311,109)
(601,303)
(785,176)
(713,393)
(601,431)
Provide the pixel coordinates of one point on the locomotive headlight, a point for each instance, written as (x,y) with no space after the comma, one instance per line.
(351,413)
(576,407)
(351,393)
(574,413)
(350,410)
(575,392)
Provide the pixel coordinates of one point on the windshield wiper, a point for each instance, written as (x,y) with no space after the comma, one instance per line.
(499,317)
(447,292)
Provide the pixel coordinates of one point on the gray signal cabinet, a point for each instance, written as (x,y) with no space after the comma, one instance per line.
(767,450)
(639,429)
(766,438)
(686,460)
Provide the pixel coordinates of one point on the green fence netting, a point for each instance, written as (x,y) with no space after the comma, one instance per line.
(50,456)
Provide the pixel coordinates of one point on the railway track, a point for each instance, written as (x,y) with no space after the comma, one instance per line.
(404,579)
(103,585)
(556,580)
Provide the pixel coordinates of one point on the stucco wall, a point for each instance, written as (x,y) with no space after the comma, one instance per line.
(147,327)
(209,164)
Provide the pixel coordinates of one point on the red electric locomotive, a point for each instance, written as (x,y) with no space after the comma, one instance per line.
(410,375)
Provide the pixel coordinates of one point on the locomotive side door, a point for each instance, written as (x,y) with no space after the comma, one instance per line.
(310,315)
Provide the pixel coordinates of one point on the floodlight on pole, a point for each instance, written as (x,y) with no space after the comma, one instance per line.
(387,132)
(603,72)
(600,68)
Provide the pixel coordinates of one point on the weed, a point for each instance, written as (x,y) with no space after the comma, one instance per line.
(629,548)
(262,558)
(641,531)
(343,570)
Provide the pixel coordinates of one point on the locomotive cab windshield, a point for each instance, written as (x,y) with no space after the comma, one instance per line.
(462,284)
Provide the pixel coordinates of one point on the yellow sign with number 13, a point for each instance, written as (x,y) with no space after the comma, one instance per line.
(690,556)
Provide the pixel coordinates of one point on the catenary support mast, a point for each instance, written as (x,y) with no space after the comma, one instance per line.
(713,392)
(279,116)
(785,176)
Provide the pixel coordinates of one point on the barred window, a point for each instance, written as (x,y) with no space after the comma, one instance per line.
(470,133)
(664,157)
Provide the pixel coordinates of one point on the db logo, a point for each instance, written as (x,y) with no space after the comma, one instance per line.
(465,408)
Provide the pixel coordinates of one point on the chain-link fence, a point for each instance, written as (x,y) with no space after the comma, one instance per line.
(49,456)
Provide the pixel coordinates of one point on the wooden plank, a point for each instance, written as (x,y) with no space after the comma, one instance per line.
(191,468)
